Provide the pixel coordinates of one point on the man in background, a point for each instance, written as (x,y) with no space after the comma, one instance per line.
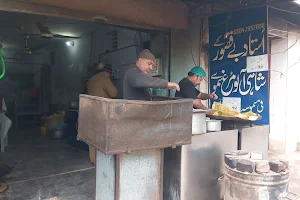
(5,124)
(100,85)
(137,82)
(188,90)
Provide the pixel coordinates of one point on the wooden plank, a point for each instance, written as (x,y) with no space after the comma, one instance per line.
(118,167)
(149,12)
(161,168)
(105,177)
(46,10)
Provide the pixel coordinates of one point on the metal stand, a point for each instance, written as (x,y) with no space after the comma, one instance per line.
(136,176)
(105,176)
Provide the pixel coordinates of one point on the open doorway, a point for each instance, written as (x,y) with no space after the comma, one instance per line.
(48,62)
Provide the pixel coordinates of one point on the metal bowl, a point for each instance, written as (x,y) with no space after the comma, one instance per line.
(213,125)
(57,134)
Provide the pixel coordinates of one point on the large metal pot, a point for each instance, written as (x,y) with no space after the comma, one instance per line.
(213,125)
(199,124)
(238,185)
(75,104)
(199,121)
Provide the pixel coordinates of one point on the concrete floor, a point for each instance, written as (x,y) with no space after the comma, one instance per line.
(46,168)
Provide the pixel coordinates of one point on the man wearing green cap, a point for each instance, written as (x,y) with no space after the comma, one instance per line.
(187,88)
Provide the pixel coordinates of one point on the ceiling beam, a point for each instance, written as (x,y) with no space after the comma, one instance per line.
(141,12)
(44,10)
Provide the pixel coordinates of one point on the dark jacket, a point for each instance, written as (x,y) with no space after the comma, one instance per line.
(136,84)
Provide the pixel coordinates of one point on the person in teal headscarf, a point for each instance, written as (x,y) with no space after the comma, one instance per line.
(187,88)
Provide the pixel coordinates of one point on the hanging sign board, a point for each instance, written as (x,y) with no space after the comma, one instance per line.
(239,60)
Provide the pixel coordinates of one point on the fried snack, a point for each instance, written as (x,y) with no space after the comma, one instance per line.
(225,111)
(249,116)
(222,110)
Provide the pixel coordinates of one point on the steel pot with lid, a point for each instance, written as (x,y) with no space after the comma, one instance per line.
(199,123)
(213,125)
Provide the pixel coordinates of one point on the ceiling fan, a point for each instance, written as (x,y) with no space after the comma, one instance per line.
(18,56)
(45,32)
(27,51)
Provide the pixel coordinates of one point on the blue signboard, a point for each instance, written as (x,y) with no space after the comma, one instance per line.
(238,44)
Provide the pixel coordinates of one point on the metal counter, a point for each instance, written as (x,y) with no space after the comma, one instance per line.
(141,125)
(251,137)
(255,138)
(192,172)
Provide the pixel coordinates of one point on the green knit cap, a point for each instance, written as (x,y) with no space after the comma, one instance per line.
(199,71)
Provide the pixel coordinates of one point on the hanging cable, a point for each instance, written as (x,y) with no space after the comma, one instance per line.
(191,46)
(288,11)
(2,64)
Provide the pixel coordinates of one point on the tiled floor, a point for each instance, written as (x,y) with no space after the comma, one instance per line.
(45,168)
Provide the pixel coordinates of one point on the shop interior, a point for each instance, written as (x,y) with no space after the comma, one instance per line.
(48,61)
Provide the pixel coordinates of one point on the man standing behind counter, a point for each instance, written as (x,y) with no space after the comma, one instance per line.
(100,85)
(137,82)
(188,90)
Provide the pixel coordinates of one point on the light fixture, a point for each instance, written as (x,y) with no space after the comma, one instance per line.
(47,35)
(70,43)
(297,1)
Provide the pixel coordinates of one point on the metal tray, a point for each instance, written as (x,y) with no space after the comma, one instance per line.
(230,118)
(201,111)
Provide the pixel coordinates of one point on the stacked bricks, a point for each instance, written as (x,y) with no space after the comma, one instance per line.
(252,162)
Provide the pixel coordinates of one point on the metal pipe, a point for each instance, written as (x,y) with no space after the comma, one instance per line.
(169,35)
(8,58)
(91,47)
(141,40)
(24,63)
(200,40)
(119,49)
(243,8)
